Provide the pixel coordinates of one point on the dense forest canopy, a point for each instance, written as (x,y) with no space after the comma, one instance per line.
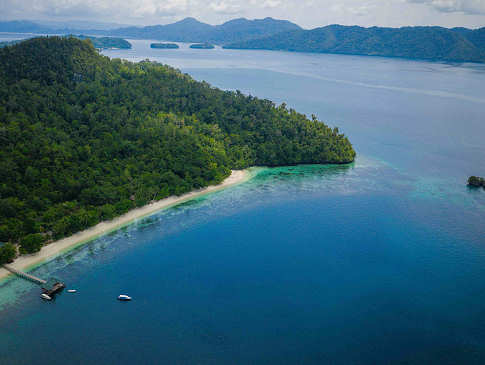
(85,138)
(98,42)
(10,43)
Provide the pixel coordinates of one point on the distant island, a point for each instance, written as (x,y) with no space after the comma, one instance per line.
(426,43)
(476,181)
(202,46)
(164,45)
(87,138)
(106,42)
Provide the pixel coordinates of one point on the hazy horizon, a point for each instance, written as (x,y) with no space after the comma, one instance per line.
(87,25)
(306,13)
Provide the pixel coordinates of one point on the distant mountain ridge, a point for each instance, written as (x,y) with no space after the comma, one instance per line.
(427,43)
(186,30)
(192,30)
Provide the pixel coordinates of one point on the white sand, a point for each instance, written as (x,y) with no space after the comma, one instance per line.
(56,248)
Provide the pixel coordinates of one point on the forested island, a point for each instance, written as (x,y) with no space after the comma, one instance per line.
(202,46)
(164,45)
(423,42)
(476,182)
(107,42)
(426,43)
(85,138)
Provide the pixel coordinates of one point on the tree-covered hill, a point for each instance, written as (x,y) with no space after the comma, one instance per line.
(84,138)
(98,42)
(427,43)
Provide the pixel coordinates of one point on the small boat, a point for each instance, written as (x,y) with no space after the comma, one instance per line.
(124,298)
(72,291)
(45,296)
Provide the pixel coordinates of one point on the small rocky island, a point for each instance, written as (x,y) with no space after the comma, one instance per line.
(476,181)
(164,45)
(202,46)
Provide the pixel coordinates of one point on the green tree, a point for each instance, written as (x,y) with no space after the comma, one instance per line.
(7,253)
(31,243)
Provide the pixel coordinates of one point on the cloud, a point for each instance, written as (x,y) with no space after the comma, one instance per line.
(79,9)
(454,6)
(270,4)
(307,13)
(225,7)
(362,9)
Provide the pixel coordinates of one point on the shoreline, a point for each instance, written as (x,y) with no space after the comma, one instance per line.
(56,248)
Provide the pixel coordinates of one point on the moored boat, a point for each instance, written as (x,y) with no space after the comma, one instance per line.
(45,296)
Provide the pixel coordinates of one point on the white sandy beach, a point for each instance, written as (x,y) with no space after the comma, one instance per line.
(56,248)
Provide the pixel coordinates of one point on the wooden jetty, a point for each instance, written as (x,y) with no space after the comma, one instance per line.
(25,276)
(54,288)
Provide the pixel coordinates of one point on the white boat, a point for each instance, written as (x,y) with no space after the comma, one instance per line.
(124,298)
(45,296)
(72,291)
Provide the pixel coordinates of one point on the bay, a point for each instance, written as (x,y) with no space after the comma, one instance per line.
(378,262)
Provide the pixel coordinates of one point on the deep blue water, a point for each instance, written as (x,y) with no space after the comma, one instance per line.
(378,262)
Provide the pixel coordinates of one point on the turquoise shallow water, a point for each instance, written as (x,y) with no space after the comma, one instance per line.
(378,262)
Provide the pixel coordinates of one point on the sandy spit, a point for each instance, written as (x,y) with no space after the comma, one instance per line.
(56,248)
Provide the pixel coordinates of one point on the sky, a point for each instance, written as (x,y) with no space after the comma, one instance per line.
(306,13)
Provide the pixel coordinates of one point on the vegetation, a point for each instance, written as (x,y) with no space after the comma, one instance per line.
(7,253)
(10,43)
(202,46)
(430,43)
(164,45)
(475,181)
(31,243)
(99,43)
(84,138)
(107,42)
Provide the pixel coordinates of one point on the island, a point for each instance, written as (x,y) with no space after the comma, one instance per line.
(164,45)
(476,182)
(202,46)
(107,42)
(426,43)
(119,136)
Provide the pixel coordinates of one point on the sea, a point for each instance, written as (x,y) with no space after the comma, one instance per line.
(381,261)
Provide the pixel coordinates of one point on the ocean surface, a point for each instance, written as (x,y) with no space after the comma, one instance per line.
(378,262)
